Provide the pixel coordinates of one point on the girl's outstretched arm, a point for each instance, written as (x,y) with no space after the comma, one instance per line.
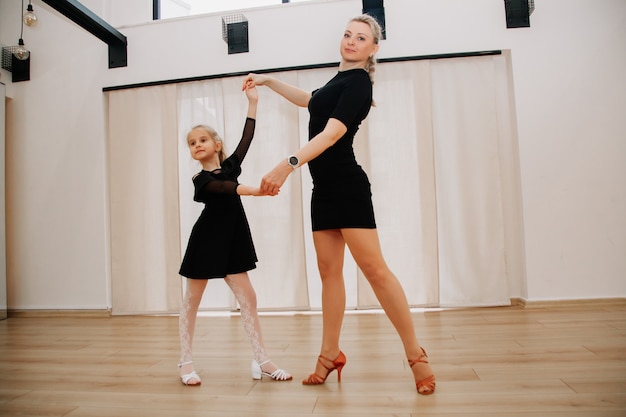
(243,189)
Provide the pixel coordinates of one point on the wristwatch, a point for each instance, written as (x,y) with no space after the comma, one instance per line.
(293,161)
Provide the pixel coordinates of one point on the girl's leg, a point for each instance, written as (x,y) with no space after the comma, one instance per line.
(365,248)
(246,297)
(329,248)
(187,322)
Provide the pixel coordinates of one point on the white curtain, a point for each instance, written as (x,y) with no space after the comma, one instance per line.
(440,151)
(468,183)
(143,193)
(396,149)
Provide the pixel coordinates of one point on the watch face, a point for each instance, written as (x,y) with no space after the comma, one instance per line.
(293,161)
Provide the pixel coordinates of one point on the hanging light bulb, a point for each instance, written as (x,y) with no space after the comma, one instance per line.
(30,18)
(21,52)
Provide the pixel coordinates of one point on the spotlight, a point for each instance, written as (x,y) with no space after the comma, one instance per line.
(235,33)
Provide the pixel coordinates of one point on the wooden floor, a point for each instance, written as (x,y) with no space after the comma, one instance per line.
(489,362)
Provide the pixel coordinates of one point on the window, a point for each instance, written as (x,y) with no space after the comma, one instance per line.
(167,9)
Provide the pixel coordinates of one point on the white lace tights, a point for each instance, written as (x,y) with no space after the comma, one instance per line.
(246,297)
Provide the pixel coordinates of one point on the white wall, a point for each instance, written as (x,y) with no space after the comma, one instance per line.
(3,246)
(570,93)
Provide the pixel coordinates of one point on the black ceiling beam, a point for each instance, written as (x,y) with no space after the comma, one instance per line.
(93,24)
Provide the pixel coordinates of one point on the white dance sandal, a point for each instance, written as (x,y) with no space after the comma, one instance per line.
(277,375)
(185,379)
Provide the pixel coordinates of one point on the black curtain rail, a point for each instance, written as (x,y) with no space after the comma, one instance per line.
(299,68)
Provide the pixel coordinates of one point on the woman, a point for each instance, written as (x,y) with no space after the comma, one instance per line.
(341,206)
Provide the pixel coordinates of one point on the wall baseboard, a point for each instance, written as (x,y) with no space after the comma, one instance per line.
(587,302)
(515,302)
(57,313)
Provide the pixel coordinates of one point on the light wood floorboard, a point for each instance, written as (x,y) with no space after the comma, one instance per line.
(490,362)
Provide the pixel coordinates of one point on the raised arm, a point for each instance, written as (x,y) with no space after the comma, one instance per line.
(294,94)
(248,129)
(246,139)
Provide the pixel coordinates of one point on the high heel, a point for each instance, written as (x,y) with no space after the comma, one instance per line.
(429,382)
(277,375)
(188,377)
(315,379)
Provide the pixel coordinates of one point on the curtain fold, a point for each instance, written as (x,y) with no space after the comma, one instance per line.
(399,164)
(468,183)
(143,187)
(440,151)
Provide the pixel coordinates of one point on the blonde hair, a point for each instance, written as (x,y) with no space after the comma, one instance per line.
(377,32)
(214,135)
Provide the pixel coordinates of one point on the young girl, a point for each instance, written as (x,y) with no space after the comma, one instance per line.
(220,245)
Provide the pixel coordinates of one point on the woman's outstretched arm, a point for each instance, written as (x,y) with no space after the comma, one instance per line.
(294,94)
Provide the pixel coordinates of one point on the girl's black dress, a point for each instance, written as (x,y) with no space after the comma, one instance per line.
(341,195)
(220,242)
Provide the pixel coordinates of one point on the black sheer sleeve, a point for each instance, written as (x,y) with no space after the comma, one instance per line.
(246,139)
(220,187)
(205,183)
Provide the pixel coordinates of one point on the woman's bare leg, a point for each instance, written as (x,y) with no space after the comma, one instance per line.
(330,247)
(365,248)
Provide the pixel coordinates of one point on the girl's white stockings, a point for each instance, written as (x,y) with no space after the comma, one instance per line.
(246,297)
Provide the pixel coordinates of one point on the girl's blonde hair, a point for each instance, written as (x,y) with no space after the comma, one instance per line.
(215,136)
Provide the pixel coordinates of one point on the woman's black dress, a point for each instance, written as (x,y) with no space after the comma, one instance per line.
(220,242)
(341,195)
